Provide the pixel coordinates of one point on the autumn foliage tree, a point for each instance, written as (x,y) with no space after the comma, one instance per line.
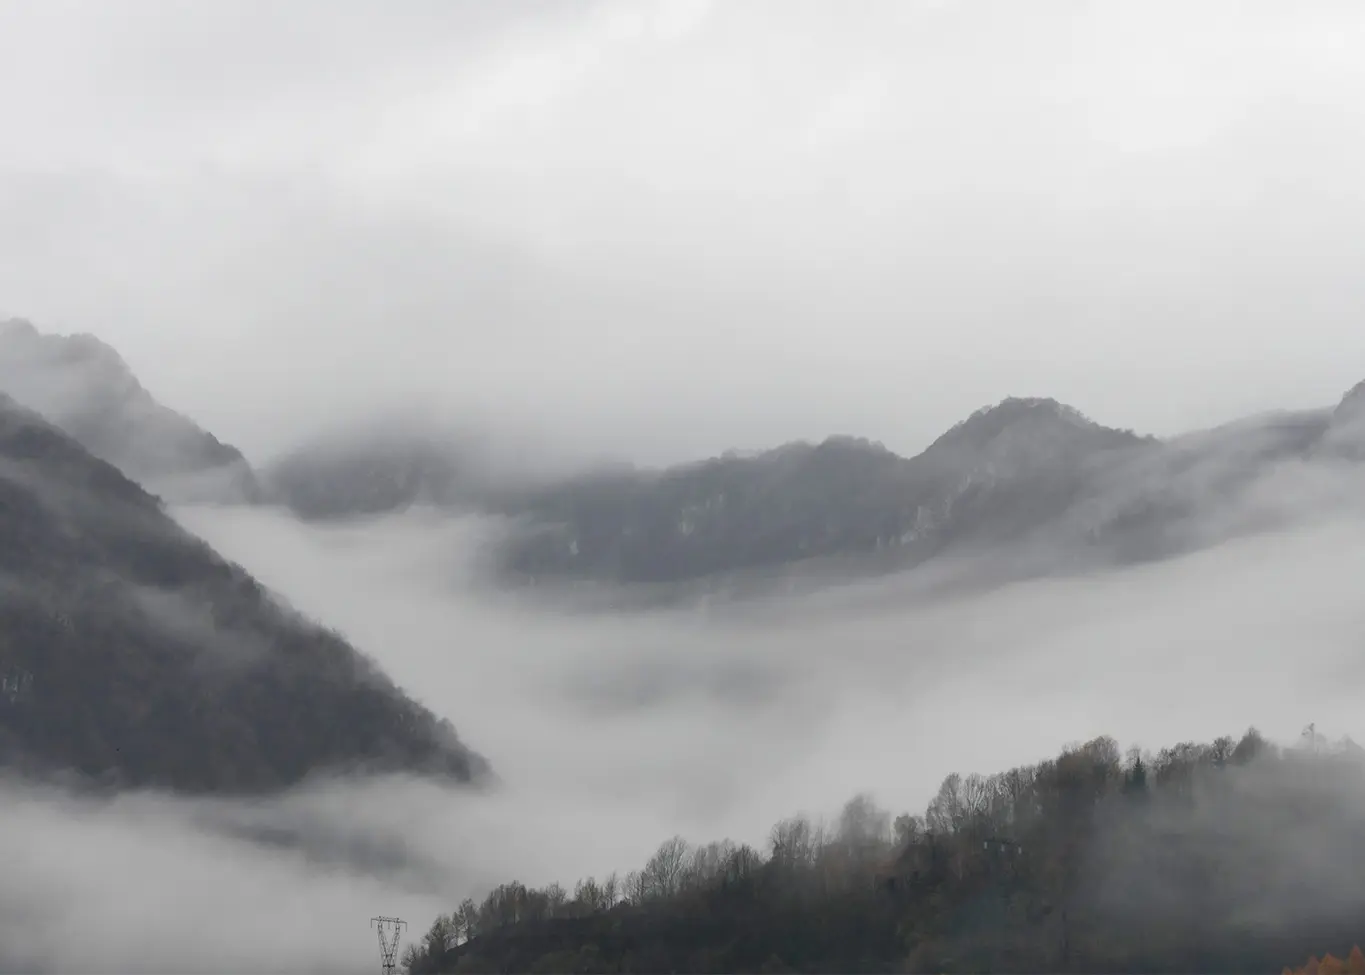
(1332,965)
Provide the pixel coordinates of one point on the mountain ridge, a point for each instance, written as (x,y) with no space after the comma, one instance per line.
(170,666)
(1023,470)
(85,387)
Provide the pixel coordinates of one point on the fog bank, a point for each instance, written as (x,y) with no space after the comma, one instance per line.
(612,732)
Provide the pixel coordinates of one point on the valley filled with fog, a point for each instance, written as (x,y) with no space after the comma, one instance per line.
(611,731)
(449,444)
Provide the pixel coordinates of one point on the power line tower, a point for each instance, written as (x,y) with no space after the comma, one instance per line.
(389,928)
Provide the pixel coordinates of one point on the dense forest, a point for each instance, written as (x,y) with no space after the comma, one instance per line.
(1231,856)
(131,653)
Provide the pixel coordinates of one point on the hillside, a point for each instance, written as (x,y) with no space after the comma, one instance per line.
(1231,856)
(1024,475)
(996,478)
(131,653)
(84,387)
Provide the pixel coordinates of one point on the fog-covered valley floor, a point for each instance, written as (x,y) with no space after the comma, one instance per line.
(611,732)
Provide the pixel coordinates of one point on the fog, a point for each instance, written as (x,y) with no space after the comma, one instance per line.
(651,228)
(656,230)
(611,732)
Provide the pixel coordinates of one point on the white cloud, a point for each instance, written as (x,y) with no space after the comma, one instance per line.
(613,731)
(654,228)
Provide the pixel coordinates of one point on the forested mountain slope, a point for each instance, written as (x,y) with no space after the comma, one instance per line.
(131,652)
(1025,471)
(996,477)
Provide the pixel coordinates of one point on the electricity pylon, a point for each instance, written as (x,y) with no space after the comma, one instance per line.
(389,928)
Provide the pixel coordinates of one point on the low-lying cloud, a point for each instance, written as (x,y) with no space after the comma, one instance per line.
(610,732)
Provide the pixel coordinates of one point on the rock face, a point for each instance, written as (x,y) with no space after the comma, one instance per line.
(130,652)
(85,388)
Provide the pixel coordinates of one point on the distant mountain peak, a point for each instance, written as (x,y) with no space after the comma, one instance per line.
(1020,406)
(1345,436)
(990,422)
(845,441)
(93,349)
(15,328)
(835,445)
(84,386)
(21,340)
(1352,405)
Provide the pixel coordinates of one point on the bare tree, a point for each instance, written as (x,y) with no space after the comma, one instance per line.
(1222,750)
(947,813)
(741,865)
(908,829)
(664,871)
(555,899)
(794,841)
(587,896)
(1019,792)
(468,913)
(635,888)
(443,935)
(976,799)
(863,822)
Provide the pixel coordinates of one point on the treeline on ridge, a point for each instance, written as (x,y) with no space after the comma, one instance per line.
(1229,856)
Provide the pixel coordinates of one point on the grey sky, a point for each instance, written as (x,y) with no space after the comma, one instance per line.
(659,229)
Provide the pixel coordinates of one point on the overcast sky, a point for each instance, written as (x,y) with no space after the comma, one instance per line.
(658,229)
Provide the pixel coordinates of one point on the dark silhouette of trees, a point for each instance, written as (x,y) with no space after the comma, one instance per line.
(1089,861)
(131,653)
